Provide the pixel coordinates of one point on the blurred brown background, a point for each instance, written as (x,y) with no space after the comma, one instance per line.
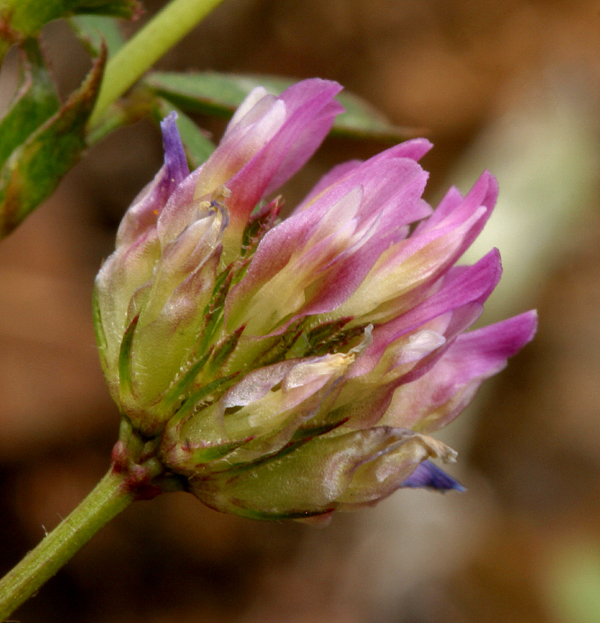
(509,85)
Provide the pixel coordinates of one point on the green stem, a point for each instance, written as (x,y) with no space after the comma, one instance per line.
(110,496)
(147,46)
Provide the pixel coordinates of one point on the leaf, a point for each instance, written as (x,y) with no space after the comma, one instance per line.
(216,93)
(35,168)
(197,146)
(34,103)
(92,29)
(20,19)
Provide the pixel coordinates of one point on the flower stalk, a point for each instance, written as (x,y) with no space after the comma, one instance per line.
(110,496)
(135,474)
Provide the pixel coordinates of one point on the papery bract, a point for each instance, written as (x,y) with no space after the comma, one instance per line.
(294,368)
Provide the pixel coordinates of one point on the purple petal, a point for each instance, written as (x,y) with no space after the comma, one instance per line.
(175,160)
(180,210)
(144,211)
(429,476)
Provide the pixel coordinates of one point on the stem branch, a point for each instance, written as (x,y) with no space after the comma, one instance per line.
(147,46)
(110,496)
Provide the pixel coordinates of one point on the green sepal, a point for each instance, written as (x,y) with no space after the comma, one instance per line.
(305,478)
(250,513)
(199,455)
(220,94)
(331,337)
(182,385)
(101,340)
(223,350)
(34,103)
(307,432)
(35,168)
(181,451)
(189,458)
(208,392)
(261,221)
(125,381)
(214,312)
(282,345)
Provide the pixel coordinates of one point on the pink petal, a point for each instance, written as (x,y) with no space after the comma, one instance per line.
(437,397)
(460,288)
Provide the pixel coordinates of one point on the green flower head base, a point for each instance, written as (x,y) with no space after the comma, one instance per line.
(295,368)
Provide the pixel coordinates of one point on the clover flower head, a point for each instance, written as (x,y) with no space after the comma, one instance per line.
(288,369)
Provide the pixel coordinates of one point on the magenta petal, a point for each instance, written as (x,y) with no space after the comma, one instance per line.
(392,188)
(462,287)
(453,206)
(304,129)
(484,351)
(437,397)
(413,149)
(351,267)
(452,199)
(309,115)
(385,182)
(335,175)
(344,277)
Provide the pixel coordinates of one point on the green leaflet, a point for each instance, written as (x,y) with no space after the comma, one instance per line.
(34,103)
(23,18)
(93,29)
(34,169)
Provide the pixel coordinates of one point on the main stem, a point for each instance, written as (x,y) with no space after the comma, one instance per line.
(110,496)
(141,52)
